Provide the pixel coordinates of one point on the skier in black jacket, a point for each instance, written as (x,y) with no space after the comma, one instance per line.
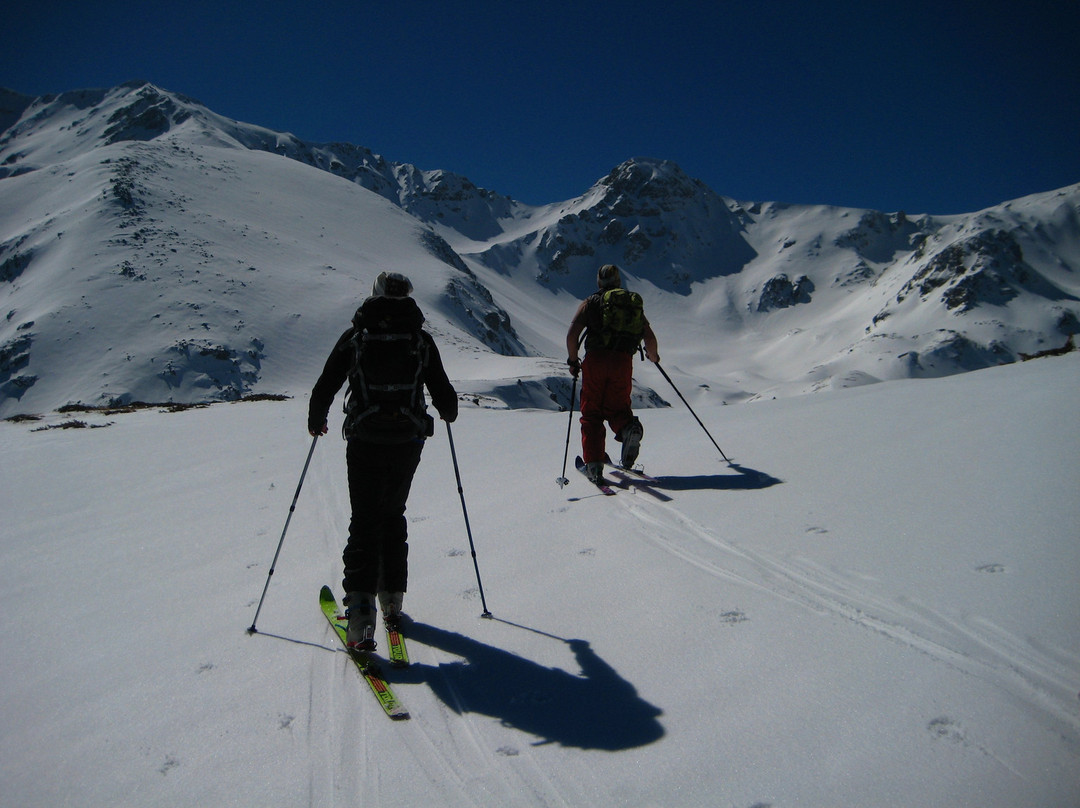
(386,424)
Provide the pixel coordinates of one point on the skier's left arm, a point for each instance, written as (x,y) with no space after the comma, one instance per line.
(443,395)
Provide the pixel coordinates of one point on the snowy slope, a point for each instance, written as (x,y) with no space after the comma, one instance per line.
(164,271)
(152,249)
(875,606)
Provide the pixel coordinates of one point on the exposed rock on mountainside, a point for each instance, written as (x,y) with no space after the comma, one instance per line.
(152,248)
(987,268)
(648,217)
(779,292)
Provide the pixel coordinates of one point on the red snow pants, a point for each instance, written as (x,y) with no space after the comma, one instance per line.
(606,382)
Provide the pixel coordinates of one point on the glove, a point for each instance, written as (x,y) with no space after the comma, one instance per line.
(317,426)
(575,367)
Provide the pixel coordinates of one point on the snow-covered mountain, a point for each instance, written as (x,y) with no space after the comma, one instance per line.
(145,240)
(872,604)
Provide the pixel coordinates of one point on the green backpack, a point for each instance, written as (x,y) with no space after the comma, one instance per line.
(622,320)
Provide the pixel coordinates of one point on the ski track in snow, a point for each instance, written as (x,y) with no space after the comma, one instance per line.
(511,776)
(449,744)
(454,747)
(1040,678)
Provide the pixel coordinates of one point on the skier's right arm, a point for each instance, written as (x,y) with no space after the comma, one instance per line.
(334,374)
(573,339)
(652,348)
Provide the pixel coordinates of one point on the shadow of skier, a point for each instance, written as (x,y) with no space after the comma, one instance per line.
(746,479)
(597,709)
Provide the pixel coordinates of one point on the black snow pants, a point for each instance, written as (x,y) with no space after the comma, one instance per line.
(380,476)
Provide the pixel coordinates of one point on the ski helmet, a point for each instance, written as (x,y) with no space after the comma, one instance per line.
(391,284)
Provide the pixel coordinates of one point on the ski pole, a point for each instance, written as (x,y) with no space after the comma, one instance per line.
(465,513)
(573,393)
(687,403)
(281,541)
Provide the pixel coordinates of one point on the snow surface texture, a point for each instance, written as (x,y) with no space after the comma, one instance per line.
(877,605)
(153,250)
(874,604)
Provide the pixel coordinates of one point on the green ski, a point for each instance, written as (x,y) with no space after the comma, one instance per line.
(366,663)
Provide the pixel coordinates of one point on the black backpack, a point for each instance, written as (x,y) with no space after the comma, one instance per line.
(386,400)
(622,320)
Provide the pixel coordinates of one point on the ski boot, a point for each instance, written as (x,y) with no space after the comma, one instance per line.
(391,602)
(360,635)
(630,436)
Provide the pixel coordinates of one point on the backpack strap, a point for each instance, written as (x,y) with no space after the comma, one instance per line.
(361,387)
(420,348)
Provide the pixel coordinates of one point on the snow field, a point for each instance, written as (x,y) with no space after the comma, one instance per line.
(875,606)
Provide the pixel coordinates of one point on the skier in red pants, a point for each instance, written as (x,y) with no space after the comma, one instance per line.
(614,324)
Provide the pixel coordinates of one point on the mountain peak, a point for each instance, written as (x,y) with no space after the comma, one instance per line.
(149,114)
(204,226)
(52,127)
(651,178)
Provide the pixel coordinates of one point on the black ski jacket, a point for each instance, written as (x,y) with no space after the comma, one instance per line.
(336,372)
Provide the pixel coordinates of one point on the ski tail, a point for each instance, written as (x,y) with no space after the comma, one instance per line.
(636,471)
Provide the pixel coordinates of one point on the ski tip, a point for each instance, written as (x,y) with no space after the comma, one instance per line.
(326,595)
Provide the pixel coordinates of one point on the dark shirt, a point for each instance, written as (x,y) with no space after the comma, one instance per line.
(336,371)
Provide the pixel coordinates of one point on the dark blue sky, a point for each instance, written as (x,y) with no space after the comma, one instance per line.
(927,107)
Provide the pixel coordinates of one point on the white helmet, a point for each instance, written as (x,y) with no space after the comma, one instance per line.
(391,284)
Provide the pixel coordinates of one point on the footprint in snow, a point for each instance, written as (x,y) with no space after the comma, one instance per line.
(733,617)
(945,727)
